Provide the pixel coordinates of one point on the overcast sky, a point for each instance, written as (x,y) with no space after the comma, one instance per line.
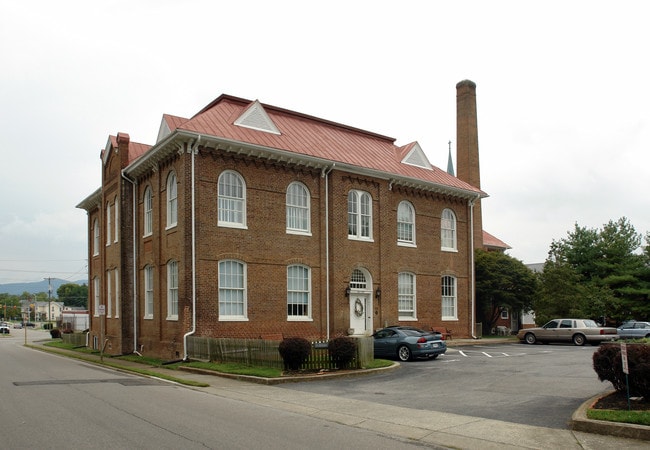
(562,96)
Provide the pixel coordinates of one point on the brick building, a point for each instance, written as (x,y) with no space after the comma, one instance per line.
(248,220)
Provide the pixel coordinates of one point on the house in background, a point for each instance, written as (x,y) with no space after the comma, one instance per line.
(248,220)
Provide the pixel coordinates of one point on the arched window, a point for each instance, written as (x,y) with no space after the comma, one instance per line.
(405,223)
(298,292)
(449,298)
(232,200)
(172,200)
(232,290)
(359,215)
(95,237)
(406,296)
(172,290)
(148,292)
(448,230)
(298,208)
(147,205)
(358,280)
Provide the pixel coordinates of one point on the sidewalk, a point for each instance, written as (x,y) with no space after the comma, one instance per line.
(435,429)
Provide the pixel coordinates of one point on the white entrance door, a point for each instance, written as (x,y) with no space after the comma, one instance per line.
(361,313)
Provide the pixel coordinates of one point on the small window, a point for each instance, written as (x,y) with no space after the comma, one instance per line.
(148,212)
(232,200)
(504,313)
(96,296)
(405,224)
(359,215)
(449,298)
(298,209)
(148,292)
(448,230)
(232,290)
(172,290)
(117,294)
(406,296)
(172,200)
(298,292)
(109,294)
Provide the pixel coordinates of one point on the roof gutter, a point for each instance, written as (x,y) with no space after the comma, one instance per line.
(325,174)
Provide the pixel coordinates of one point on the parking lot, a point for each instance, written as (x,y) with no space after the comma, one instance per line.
(530,384)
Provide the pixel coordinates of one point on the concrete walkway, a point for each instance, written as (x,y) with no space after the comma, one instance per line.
(432,429)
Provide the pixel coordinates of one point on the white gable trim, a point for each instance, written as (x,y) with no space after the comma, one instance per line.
(163,131)
(416,157)
(256,118)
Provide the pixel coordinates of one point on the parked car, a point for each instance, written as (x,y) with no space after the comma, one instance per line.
(18,325)
(4,330)
(407,343)
(578,331)
(634,330)
(29,324)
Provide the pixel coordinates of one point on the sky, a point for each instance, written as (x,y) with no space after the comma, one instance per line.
(562,100)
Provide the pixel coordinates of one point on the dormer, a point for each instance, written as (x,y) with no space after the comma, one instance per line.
(415,156)
(256,118)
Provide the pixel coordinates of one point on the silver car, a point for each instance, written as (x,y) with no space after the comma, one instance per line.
(578,331)
(634,330)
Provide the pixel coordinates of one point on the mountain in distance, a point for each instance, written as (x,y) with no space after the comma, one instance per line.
(36,287)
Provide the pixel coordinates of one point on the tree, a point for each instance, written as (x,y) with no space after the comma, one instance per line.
(598,274)
(502,282)
(72,294)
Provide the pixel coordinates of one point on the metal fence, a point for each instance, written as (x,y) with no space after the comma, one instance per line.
(261,352)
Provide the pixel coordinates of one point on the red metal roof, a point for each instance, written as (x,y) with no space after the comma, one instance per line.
(311,136)
(493,242)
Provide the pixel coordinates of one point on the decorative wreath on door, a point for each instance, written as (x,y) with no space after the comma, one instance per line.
(358,308)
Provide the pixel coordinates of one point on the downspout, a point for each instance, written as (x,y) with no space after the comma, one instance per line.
(135,259)
(193,151)
(325,174)
(471,265)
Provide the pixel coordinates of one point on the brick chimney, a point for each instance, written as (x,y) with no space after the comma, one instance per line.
(467,159)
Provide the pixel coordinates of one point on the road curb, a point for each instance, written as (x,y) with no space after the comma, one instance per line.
(580,422)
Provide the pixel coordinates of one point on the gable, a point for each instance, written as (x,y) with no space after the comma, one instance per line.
(416,157)
(256,118)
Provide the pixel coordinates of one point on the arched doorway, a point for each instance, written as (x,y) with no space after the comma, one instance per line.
(361,306)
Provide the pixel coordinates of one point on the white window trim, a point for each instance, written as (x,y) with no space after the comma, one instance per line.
(414,317)
(109,294)
(172,181)
(170,316)
(308,317)
(454,298)
(96,296)
(403,242)
(147,216)
(117,294)
(148,287)
(300,231)
(234,318)
(222,223)
(108,224)
(454,230)
(358,237)
(96,237)
(117,222)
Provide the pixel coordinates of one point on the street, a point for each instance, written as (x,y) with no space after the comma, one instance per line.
(48,401)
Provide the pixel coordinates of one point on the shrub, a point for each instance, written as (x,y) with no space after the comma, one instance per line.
(294,352)
(48,326)
(55,333)
(342,350)
(609,367)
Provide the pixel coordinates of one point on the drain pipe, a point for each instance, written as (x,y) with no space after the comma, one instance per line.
(325,174)
(193,150)
(471,265)
(135,259)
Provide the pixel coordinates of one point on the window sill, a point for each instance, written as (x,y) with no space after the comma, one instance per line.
(299,319)
(407,319)
(406,244)
(448,249)
(232,225)
(299,232)
(233,319)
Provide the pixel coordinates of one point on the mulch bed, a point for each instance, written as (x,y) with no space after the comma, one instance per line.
(618,401)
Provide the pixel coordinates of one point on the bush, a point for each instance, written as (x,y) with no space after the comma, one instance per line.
(609,367)
(294,352)
(342,350)
(55,333)
(48,326)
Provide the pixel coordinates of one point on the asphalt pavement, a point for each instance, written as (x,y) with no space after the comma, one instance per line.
(430,428)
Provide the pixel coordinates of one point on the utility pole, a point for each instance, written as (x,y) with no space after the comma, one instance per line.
(49,299)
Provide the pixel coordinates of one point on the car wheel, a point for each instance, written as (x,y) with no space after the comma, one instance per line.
(403,353)
(530,338)
(579,339)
